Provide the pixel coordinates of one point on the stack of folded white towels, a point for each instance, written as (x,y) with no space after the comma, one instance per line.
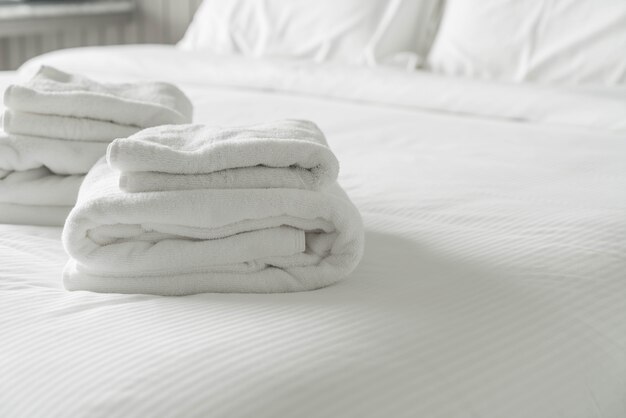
(57,125)
(183,209)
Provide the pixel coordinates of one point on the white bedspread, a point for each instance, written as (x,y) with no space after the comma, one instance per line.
(493,282)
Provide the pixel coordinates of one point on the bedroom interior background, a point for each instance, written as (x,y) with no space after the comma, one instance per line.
(154,21)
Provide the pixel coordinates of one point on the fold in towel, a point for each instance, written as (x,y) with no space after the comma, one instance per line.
(28,176)
(18,153)
(40,177)
(142,105)
(236,178)
(39,186)
(283,154)
(208,240)
(36,196)
(58,126)
(63,127)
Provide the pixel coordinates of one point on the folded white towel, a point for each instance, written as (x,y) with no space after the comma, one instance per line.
(58,126)
(37,196)
(39,186)
(179,157)
(145,104)
(63,127)
(236,178)
(31,191)
(18,153)
(190,241)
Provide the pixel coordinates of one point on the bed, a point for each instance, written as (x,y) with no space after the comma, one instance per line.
(492,283)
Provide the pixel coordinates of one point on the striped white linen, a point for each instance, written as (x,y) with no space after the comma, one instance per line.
(492,286)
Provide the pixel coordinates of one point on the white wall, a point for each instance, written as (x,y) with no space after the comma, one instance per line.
(156,21)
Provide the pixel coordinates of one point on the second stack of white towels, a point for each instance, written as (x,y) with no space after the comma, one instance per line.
(57,125)
(185,209)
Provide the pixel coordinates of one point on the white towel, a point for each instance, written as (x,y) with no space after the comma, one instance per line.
(39,186)
(18,153)
(196,156)
(31,191)
(236,178)
(58,125)
(37,196)
(63,127)
(190,241)
(145,104)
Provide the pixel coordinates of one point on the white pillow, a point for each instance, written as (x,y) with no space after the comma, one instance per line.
(563,41)
(351,31)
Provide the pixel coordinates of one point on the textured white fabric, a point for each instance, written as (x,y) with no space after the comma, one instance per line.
(62,127)
(38,186)
(492,283)
(18,153)
(185,242)
(30,193)
(281,154)
(54,92)
(558,41)
(58,125)
(236,178)
(354,31)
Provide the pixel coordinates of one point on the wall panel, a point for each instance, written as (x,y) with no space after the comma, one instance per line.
(155,21)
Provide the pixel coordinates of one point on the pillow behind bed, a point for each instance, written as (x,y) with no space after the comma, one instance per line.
(351,31)
(562,41)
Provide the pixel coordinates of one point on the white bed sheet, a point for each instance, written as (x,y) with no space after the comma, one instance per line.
(493,282)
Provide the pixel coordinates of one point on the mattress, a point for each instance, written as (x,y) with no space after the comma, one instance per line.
(493,281)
